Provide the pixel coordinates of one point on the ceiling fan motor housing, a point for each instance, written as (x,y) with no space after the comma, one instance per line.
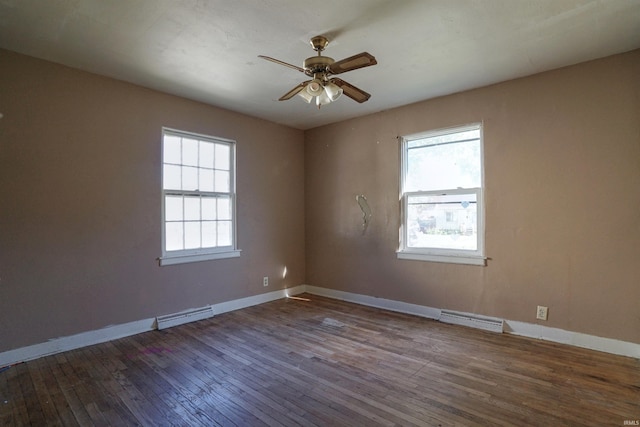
(316,64)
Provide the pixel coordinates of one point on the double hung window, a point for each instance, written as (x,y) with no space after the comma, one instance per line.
(198,186)
(441,192)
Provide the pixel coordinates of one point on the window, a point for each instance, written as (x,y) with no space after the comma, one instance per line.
(198,189)
(441,191)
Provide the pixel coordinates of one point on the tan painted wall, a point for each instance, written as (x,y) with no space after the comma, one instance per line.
(80,204)
(562,176)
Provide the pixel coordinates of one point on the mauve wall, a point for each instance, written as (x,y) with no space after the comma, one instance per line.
(562,176)
(80,201)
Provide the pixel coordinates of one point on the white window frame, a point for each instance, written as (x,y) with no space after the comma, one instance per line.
(208,253)
(457,256)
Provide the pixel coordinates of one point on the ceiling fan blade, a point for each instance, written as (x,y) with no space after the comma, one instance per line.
(293,92)
(351,91)
(277,61)
(354,62)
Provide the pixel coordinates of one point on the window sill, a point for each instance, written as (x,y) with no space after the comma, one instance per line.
(183,259)
(452,259)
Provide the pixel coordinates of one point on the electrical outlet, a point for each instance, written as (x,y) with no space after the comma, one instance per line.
(542,313)
(265,281)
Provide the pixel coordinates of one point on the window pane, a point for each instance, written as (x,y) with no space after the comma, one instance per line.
(191,235)
(224,233)
(173,236)
(173,208)
(209,208)
(189,178)
(206,179)
(224,208)
(206,154)
(172,149)
(209,234)
(446,166)
(222,156)
(171,177)
(222,181)
(442,221)
(189,152)
(192,209)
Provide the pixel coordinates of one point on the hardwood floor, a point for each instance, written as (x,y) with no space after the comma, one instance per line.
(322,362)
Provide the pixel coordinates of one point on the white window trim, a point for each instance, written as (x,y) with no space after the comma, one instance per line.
(476,257)
(200,254)
(449,259)
(182,259)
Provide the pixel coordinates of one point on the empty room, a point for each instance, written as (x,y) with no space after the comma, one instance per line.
(338,213)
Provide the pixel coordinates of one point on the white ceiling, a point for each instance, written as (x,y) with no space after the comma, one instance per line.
(208,50)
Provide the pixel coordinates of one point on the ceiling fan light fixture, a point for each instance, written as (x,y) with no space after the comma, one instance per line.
(333,91)
(323,86)
(315,88)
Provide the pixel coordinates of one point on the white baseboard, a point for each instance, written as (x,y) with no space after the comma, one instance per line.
(72,342)
(387,304)
(113,332)
(577,339)
(83,339)
(237,304)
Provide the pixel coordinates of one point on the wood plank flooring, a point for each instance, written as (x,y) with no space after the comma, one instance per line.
(322,362)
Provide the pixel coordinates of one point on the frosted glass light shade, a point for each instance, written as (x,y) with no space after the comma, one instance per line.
(306,96)
(323,99)
(333,91)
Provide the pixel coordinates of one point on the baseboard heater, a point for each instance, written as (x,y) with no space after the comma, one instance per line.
(183,317)
(472,320)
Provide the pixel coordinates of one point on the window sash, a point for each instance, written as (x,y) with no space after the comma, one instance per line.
(218,214)
(437,225)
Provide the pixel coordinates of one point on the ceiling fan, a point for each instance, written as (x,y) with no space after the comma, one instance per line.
(323,86)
